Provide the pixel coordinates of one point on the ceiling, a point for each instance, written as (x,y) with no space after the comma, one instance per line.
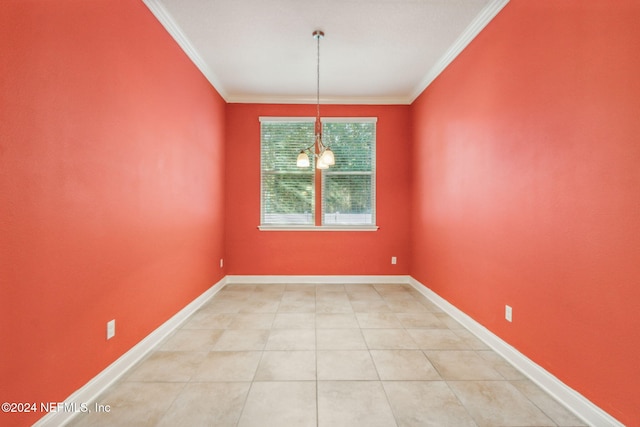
(373,52)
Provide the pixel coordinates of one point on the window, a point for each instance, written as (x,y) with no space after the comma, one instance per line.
(344,197)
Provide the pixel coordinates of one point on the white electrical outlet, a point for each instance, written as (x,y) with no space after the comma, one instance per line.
(394,260)
(111,329)
(221,262)
(508,313)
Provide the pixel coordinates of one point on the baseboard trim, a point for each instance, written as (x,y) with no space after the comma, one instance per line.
(263,280)
(91,390)
(571,399)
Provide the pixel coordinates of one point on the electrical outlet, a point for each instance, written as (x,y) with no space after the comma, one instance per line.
(394,260)
(111,329)
(508,313)
(221,262)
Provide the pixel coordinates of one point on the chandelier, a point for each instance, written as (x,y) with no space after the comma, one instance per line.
(321,152)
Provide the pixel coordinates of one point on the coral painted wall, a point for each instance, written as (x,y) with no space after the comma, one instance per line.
(526,190)
(111,189)
(250,251)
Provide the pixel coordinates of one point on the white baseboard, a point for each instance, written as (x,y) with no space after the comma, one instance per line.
(571,399)
(260,280)
(91,390)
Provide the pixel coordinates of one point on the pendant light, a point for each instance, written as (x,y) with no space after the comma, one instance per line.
(323,154)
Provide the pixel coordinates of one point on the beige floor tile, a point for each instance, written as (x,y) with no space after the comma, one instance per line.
(228,366)
(228,297)
(406,306)
(291,339)
(431,307)
(426,404)
(279,404)
(505,369)
(301,287)
(224,305)
(337,306)
(328,288)
(359,287)
(449,321)
(239,287)
(340,339)
(374,306)
(345,365)
(255,305)
(252,321)
(297,306)
(242,340)
(168,366)
(437,339)
(363,295)
(353,403)
(388,339)
(470,341)
(403,365)
(331,296)
(462,365)
(390,288)
(132,404)
(397,295)
(378,320)
(208,320)
(554,410)
(287,366)
(336,321)
(192,340)
(294,321)
(199,404)
(302,294)
(498,403)
(420,321)
(275,288)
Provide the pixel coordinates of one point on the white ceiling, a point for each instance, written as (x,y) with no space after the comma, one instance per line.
(373,52)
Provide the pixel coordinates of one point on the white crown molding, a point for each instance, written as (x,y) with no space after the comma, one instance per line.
(486,15)
(336,100)
(98,384)
(174,30)
(571,399)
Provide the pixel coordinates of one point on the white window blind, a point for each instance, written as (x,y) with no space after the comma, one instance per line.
(349,187)
(287,192)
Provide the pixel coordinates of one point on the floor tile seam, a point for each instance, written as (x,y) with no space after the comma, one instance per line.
(317,388)
(538,406)
(165,412)
(452,391)
(500,381)
(244,404)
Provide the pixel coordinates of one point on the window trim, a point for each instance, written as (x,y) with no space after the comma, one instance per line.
(332,227)
(322,227)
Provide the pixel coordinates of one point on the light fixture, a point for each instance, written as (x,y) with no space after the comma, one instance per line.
(323,154)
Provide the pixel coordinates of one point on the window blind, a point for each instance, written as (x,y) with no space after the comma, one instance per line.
(287,192)
(349,187)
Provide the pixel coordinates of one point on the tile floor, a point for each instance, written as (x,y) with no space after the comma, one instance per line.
(324,355)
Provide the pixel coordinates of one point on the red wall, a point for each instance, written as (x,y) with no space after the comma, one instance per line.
(250,251)
(111,189)
(526,190)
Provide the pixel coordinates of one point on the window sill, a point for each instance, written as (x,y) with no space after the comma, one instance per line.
(318,228)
